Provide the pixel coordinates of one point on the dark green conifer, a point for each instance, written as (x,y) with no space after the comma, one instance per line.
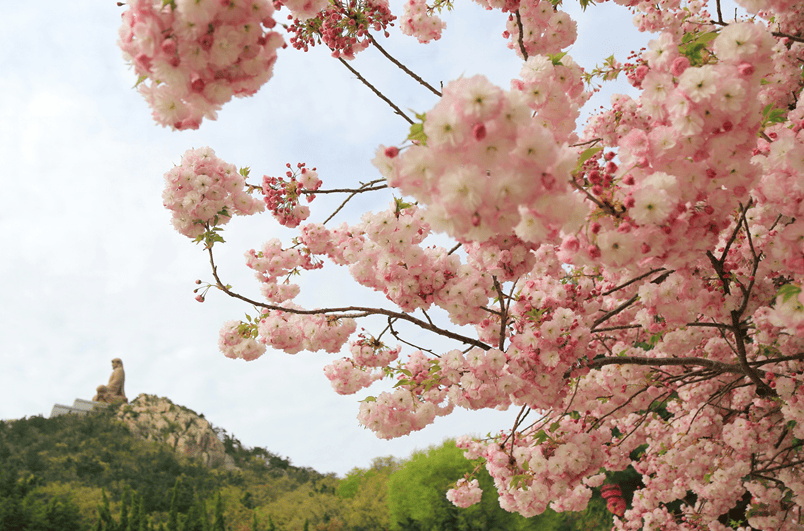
(124,503)
(173,515)
(134,516)
(219,524)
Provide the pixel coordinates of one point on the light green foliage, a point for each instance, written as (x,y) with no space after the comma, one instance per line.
(417,495)
(417,500)
(364,494)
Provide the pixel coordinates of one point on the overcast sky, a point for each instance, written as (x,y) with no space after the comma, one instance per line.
(91,268)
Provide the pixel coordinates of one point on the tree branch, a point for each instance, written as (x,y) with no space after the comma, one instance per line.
(637,279)
(377,92)
(401,66)
(521,38)
(634,360)
(342,313)
(365,188)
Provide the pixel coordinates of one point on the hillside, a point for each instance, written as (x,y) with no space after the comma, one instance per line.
(145,446)
(153,464)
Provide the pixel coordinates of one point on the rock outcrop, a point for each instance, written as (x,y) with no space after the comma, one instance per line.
(153,418)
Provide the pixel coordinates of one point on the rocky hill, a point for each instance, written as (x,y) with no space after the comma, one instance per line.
(157,419)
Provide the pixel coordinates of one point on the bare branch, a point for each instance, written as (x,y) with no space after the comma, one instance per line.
(634,360)
(637,279)
(396,109)
(401,66)
(365,188)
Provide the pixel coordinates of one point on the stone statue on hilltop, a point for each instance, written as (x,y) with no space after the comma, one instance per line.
(113,391)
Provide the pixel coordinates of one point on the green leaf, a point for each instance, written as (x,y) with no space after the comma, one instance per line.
(417,134)
(554,426)
(518,481)
(244,171)
(401,205)
(556,58)
(586,155)
(370,399)
(541,436)
(139,80)
(772,116)
(788,291)
(707,37)
(586,3)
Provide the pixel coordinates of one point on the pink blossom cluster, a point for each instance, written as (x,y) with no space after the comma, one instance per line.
(465,493)
(192,56)
(236,341)
(543,467)
(681,152)
(545,30)
(368,352)
(343,27)
(481,142)
(383,253)
(204,191)
(282,196)
(788,15)
(294,332)
(788,312)
(273,262)
(673,16)
(392,415)
(305,9)
(414,405)
(506,257)
(418,21)
(348,376)
(555,91)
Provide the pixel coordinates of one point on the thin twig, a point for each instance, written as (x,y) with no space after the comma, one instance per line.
(637,279)
(377,92)
(401,66)
(345,190)
(408,343)
(365,188)
(658,280)
(593,141)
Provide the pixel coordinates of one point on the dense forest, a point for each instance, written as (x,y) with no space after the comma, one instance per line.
(89,472)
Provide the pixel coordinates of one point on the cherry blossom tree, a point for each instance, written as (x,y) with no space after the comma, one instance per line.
(634,285)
